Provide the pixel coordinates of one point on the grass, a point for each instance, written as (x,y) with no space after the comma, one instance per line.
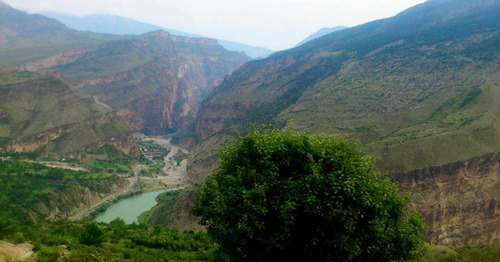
(480,253)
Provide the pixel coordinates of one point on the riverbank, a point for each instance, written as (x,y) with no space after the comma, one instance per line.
(174,177)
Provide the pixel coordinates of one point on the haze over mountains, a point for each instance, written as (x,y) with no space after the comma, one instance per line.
(111,24)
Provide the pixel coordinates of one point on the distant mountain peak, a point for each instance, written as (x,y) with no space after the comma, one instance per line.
(323,31)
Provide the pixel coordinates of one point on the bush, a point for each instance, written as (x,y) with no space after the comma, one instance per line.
(49,254)
(18,238)
(92,234)
(284,195)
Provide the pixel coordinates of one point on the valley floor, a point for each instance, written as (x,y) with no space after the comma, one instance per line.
(174,177)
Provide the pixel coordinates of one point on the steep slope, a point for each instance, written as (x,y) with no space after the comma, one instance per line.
(42,114)
(156,81)
(111,24)
(458,201)
(322,32)
(24,37)
(419,89)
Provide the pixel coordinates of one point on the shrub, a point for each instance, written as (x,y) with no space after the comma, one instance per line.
(92,234)
(284,195)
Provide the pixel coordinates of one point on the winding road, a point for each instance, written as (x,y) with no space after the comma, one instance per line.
(133,182)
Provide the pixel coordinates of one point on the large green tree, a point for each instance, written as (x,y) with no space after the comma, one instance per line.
(280,194)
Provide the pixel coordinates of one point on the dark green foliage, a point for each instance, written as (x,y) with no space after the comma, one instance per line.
(116,161)
(24,186)
(283,195)
(91,234)
(49,254)
(118,242)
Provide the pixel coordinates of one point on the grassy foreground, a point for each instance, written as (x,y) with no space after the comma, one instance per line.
(121,242)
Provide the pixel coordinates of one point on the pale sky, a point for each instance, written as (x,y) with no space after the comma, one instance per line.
(275,24)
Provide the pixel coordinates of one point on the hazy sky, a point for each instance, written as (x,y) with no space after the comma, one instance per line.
(276,24)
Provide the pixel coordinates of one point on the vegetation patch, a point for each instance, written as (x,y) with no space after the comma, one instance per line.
(179,157)
(29,190)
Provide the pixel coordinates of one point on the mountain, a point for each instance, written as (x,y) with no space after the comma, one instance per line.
(111,24)
(322,32)
(417,90)
(156,80)
(41,114)
(24,37)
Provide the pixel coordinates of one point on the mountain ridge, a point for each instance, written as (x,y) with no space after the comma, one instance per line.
(322,32)
(155,80)
(113,24)
(353,81)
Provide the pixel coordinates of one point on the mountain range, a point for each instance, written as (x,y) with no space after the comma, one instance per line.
(155,80)
(111,24)
(417,90)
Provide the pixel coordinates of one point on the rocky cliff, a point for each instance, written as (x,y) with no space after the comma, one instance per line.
(156,81)
(459,201)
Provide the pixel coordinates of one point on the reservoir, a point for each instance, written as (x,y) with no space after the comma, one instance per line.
(130,208)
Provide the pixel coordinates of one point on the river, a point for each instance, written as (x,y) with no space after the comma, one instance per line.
(130,208)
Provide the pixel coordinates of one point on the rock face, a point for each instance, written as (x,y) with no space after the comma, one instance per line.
(155,81)
(459,201)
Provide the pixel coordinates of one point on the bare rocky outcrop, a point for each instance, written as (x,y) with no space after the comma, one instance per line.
(459,201)
(9,251)
(58,59)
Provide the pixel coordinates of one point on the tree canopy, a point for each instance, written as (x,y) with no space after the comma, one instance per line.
(280,194)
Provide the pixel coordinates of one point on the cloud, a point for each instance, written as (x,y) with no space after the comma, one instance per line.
(277,24)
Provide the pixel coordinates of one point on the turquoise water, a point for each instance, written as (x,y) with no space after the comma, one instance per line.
(130,208)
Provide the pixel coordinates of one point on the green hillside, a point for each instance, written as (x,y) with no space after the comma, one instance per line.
(419,89)
(42,114)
